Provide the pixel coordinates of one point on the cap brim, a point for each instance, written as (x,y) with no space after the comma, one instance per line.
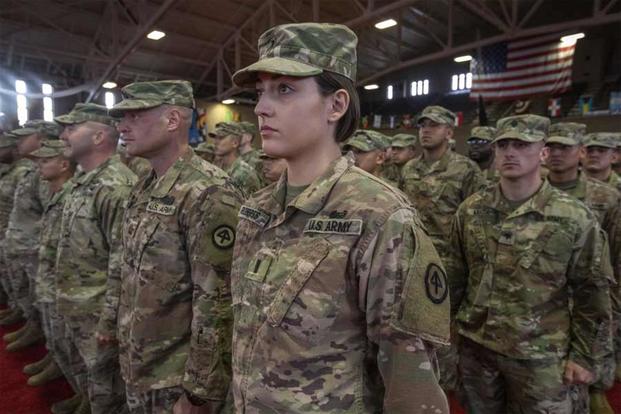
(125,105)
(562,140)
(42,154)
(434,118)
(600,144)
(518,136)
(22,132)
(65,120)
(358,146)
(247,76)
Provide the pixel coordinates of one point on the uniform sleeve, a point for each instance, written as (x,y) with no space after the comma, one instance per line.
(612,226)
(589,275)
(210,237)
(473,181)
(456,264)
(110,204)
(406,304)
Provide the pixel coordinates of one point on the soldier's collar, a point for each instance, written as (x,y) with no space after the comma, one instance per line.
(87,177)
(536,204)
(165,183)
(313,199)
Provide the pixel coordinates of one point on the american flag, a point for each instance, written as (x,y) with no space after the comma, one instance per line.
(522,68)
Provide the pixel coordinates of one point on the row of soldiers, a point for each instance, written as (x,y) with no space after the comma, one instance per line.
(129,276)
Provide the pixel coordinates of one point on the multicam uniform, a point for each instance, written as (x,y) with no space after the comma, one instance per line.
(244,177)
(88,267)
(333,301)
(174,313)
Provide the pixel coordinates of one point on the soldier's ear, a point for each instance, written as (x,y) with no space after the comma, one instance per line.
(98,137)
(338,102)
(174,120)
(543,155)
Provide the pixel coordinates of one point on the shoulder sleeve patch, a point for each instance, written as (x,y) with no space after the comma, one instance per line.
(223,237)
(424,306)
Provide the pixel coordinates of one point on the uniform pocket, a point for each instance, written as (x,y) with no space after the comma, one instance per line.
(306,312)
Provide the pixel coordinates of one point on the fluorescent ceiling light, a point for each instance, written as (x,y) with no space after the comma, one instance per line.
(109,85)
(371,87)
(465,58)
(571,39)
(385,24)
(156,35)
(228,101)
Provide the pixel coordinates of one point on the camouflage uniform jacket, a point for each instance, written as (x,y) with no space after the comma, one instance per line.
(391,173)
(244,177)
(139,166)
(174,312)
(437,189)
(45,287)
(512,271)
(8,183)
(614,180)
(330,302)
(88,262)
(252,158)
(24,226)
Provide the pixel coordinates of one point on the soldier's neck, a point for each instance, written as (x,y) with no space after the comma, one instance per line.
(434,154)
(521,188)
(486,164)
(57,183)
(244,149)
(94,159)
(559,177)
(228,159)
(163,160)
(311,164)
(601,175)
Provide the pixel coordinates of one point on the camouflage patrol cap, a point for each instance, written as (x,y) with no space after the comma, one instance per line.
(617,136)
(303,49)
(227,128)
(146,95)
(248,127)
(85,112)
(566,133)
(364,140)
(483,132)
(527,128)
(49,129)
(601,139)
(438,114)
(403,140)
(8,140)
(205,148)
(50,148)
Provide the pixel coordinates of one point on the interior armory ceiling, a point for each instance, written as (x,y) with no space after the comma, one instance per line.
(85,42)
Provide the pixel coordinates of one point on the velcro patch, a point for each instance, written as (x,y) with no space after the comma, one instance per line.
(161,208)
(334,226)
(223,237)
(258,217)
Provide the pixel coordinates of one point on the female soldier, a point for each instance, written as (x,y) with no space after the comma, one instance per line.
(337,291)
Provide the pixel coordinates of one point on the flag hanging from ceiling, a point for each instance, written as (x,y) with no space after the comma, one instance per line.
(521,68)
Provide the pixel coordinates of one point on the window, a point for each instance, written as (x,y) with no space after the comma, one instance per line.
(420,87)
(22,101)
(461,82)
(109,99)
(389,92)
(48,103)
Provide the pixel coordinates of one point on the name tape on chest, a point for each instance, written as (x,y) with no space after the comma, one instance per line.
(158,207)
(258,217)
(334,226)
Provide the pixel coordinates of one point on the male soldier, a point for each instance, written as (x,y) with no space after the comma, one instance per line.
(565,149)
(56,170)
(175,306)
(228,137)
(21,243)
(8,180)
(88,260)
(529,283)
(205,151)
(481,151)
(436,183)
(600,153)
(272,167)
(403,147)
(246,151)
(369,148)
(389,171)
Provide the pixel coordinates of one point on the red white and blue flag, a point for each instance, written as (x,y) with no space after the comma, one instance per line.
(522,68)
(554,107)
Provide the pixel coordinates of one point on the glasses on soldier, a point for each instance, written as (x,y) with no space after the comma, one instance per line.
(477,141)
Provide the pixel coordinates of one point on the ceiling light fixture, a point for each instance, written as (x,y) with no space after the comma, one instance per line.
(572,39)
(228,101)
(385,24)
(156,35)
(109,85)
(465,58)
(371,87)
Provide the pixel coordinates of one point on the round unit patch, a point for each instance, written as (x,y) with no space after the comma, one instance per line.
(436,285)
(223,236)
